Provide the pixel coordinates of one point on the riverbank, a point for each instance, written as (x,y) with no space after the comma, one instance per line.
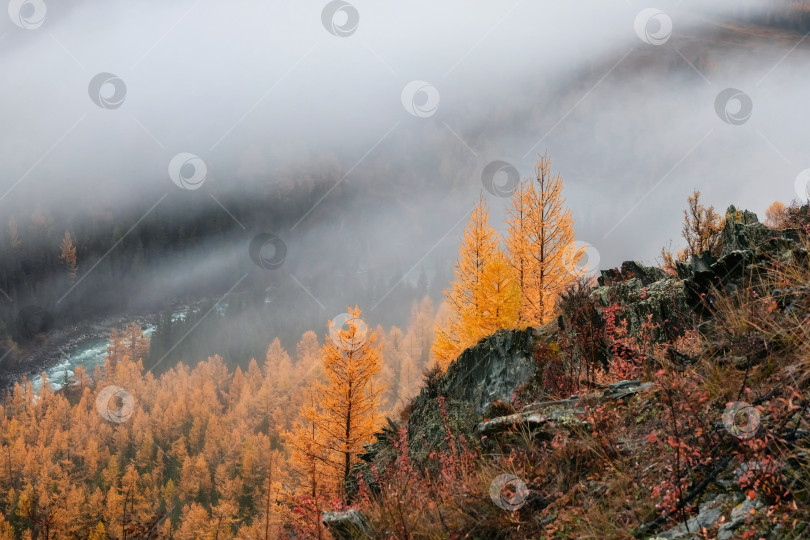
(62,344)
(84,344)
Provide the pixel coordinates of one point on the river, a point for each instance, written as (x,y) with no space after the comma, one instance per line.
(89,354)
(89,348)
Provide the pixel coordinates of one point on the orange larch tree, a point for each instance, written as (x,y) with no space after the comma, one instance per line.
(776,215)
(278,368)
(307,358)
(309,461)
(347,416)
(480,245)
(518,254)
(540,245)
(135,344)
(498,296)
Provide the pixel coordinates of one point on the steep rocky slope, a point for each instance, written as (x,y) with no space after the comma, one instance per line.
(665,454)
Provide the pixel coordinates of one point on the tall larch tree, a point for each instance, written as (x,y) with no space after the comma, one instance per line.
(544,245)
(116,350)
(776,216)
(309,462)
(135,343)
(278,368)
(349,399)
(479,245)
(275,392)
(518,253)
(395,355)
(410,378)
(498,296)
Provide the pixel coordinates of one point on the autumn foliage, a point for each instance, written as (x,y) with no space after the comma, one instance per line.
(483,297)
(540,245)
(203,452)
(341,414)
(518,285)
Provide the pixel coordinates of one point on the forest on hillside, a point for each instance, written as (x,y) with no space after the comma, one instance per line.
(271,445)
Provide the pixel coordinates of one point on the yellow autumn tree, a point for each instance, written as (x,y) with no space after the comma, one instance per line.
(540,244)
(410,378)
(462,330)
(68,255)
(135,343)
(278,368)
(309,459)
(346,416)
(701,227)
(776,216)
(498,296)
(517,245)
(307,455)
(307,358)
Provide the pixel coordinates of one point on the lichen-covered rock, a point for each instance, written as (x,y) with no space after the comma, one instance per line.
(737,517)
(663,302)
(560,413)
(623,389)
(488,372)
(630,270)
(528,421)
(347,525)
(669,302)
(708,514)
(742,231)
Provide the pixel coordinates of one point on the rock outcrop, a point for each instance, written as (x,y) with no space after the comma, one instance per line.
(553,414)
(346,525)
(490,371)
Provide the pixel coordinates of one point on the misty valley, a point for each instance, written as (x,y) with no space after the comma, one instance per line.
(343,270)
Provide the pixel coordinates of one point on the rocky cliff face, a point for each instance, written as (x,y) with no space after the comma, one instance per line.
(489,372)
